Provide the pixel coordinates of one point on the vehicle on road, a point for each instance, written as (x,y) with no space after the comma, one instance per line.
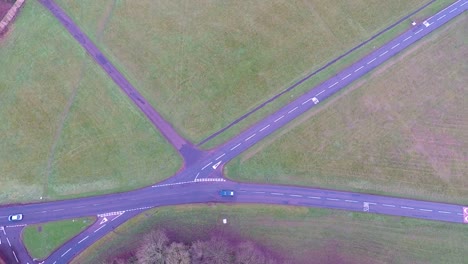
(226,193)
(15,217)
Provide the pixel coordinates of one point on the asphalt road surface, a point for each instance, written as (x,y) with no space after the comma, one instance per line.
(195,184)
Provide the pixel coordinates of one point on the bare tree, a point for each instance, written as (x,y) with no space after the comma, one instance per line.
(153,248)
(177,253)
(217,251)
(248,253)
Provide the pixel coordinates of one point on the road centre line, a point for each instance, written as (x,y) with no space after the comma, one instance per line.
(459,214)
(332,199)
(258,192)
(83,239)
(17,260)
(265,127)
(8,240)
(405,207)
(233,148)
(372,203)
(425,210)
(207,165)
(388,205)
(277,193)
(440,17)
(320,93)
(116,217)
(452,10)
(292,110)
(351,201)
(396,46)
(463,4)
(314,197)
(56,210)
(358,69)
(332,85)
(407,38)
(369,62)
(346,76)
(253,135)
(417,32)
(305,102)
(100,228)
(278,119)
(444,212)
(295,195)
(66,252)
(81,206)
(383,53)
(220,156)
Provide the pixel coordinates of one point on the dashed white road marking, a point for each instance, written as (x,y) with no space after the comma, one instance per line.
(295,195)
(253,135)
(440,17)
(222,155)
(358,69)
(100,228)
(170,184)
(277,193)
(314,197)
(66,252)
(233,148)
(406,207)
(57,210)
(346,76)
(396,46)
(258,192)
(417,32)
(265,127)
(332,199)
(371,203)
(333,85)
(351,201)
(388,205)
(306,101)
(459,214)
(407,38)
(463,4)
(81,206)
(207,165)
(83,239)
(383,53)
(14,254)
(279,118)
(369,62)
(425,210)
(444,212)
(8,240)
(320,93)
(292,110)
(451,11)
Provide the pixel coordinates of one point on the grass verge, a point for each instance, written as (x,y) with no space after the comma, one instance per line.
(66,129)
(401,133)
(42,239)
(298,234)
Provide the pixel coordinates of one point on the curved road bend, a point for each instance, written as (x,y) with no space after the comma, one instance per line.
(187,150)
(117,208)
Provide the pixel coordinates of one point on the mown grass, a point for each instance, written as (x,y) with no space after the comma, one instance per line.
(42,239)
(402,132)
(300,235)
(66,129)
(214,60)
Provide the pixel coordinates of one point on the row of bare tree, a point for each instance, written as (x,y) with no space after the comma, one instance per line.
(157,249)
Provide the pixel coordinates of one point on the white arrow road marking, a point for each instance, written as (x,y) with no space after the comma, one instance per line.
(103,220)
(216,165)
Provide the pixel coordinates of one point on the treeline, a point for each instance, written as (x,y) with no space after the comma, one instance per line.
(157,249)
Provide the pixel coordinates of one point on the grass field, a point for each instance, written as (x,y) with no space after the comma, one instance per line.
(214,60)
(65,129)
(300,235)
(42,239)
(402,132)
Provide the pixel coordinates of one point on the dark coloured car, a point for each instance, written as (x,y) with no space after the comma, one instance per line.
(226,193)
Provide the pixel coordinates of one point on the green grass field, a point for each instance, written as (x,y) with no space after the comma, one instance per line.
(66,129)
(214,60)
(42,239)
(399,131)
(301,235)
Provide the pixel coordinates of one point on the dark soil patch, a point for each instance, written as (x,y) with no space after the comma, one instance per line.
(39,228)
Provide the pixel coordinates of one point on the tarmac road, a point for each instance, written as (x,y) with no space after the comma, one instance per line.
(195,184)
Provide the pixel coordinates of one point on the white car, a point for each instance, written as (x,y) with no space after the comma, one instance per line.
(315,100)
(15,217)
